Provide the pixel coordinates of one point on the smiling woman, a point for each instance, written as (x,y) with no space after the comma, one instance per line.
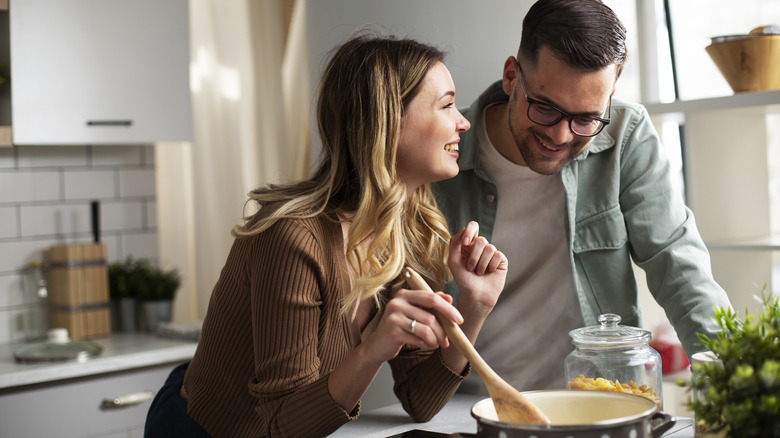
(311,301)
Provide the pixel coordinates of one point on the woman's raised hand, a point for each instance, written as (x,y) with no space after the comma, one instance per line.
(480,272)
(479,269)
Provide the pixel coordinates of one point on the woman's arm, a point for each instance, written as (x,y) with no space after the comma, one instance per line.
(350,379)
(425,379)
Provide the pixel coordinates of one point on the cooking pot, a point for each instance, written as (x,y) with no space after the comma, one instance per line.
(579,414)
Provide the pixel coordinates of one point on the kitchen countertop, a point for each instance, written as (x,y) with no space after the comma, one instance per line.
(121,352)
(392,420)
(454,419)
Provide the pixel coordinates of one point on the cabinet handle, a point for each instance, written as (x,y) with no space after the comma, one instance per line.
(109,122)
(126,400)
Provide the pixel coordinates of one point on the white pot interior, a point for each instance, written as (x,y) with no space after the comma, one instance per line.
(572,407)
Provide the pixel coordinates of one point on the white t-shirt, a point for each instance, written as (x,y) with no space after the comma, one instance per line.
(526,337)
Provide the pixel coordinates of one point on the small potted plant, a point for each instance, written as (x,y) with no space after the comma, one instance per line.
(155,290)
(123,314)
(737,393)
(142,294)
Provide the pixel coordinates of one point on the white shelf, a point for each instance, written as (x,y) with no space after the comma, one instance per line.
(764,101)
(767,243)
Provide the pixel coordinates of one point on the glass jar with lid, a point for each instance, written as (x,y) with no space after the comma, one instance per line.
(35,319)
(615,358)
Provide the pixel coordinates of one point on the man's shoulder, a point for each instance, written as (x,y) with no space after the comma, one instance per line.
(627,108)
(625,118)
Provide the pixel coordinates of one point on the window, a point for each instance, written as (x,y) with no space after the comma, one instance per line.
(694,22)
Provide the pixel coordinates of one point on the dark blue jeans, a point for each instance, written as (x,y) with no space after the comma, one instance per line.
(167,417)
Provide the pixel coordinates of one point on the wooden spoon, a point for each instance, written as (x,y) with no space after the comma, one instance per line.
(511,406)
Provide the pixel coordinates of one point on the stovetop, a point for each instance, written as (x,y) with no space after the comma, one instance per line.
(683,428)
(417,433)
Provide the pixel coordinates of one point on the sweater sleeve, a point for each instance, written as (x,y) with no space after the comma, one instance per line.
(292,280)
(423,383)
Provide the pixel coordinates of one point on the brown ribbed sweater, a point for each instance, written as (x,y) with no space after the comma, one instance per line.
(273,332)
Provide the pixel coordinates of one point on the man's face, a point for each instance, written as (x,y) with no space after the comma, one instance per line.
(547,149)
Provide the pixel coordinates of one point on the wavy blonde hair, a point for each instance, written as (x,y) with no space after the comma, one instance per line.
(365,89)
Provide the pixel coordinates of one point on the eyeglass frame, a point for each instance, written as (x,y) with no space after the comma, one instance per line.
(562,113)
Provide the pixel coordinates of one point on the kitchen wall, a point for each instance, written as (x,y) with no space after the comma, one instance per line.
(476,36)
(45,195)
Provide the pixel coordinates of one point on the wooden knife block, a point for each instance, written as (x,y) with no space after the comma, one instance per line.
(77,281)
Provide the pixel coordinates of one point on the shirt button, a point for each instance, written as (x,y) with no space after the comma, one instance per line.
(490,198)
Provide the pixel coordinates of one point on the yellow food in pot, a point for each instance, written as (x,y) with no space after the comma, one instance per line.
(601,384)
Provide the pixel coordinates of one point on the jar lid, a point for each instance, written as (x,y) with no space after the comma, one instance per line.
(610,334)
(57,347)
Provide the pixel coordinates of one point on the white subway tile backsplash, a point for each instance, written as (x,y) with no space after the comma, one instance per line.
(151,213)
(45,195)
(9,223)
(52,156)
(137,182)
(59,220)
(15,255)
(117,216)
(90,184)
(7,160)
(25,186)
(141,245)
(114,248)
(11,292)
(114,156)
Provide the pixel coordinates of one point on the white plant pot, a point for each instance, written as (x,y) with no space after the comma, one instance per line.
(152,313)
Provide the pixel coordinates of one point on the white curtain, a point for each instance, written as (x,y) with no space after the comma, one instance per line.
(249,77)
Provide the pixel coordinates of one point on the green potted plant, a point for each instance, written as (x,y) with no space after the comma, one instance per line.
(123,306)
(155,290)
(142,294)
(737,394)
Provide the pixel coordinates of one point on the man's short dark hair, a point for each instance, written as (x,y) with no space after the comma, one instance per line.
(584,34)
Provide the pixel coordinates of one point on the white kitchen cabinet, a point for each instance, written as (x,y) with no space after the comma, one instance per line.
(64,399)
(99,71)
(73,408)
(732,166)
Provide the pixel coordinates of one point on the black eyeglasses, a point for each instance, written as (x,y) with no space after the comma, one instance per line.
(548,115)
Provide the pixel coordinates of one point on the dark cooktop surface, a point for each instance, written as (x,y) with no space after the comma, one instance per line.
(417,433)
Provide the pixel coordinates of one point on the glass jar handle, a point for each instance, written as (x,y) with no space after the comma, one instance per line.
(609,320)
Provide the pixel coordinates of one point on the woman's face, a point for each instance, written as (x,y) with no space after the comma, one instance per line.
(430,132)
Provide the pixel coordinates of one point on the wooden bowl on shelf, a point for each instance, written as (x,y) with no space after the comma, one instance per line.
(748,62)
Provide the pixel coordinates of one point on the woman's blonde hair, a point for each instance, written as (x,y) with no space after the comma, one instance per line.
(364,91)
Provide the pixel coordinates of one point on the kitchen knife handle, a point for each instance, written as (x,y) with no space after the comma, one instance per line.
(95,214)
(127,400)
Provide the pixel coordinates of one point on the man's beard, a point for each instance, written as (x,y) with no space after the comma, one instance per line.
(525,141)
